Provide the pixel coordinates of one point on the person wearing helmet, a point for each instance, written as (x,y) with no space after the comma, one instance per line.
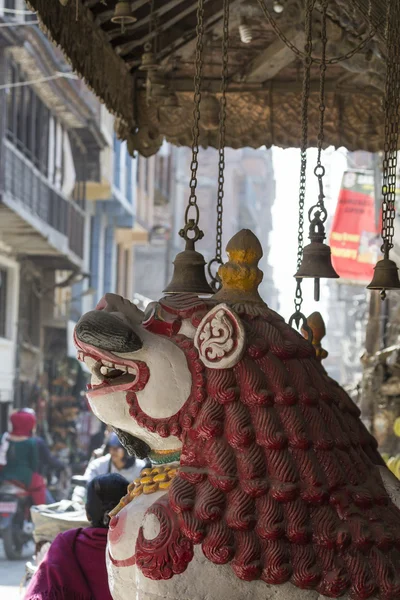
(20,456)
(116,460)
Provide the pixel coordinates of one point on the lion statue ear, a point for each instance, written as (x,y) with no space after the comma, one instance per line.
(220,338)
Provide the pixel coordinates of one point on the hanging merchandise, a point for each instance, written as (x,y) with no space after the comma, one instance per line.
(189,274)
(386,276)
(316,262)
(123,15)
(217,260)
(298,318)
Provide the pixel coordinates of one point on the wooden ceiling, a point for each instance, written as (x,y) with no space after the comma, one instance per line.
(264,93)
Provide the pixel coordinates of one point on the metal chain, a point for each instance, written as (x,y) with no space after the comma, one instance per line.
(217,260)
(322,70)
(392,103)
(298,317)
(194,165)
(150,44)
(319,169)
(314,59)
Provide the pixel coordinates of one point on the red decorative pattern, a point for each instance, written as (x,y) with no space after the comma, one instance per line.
(278,472)
(183,419)
(170,552)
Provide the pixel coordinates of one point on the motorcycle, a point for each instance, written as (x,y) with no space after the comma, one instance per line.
(53,519)
(16,527)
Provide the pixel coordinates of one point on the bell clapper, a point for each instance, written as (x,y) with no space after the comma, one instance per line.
(316,289)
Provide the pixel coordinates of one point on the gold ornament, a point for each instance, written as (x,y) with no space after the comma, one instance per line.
(157,479)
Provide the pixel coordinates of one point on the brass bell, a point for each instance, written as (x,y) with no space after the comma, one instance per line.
(189,268)
(123,14)
(149,61)
(386,277)
(316,261)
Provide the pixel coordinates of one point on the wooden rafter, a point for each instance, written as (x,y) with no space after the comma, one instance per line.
(160,12)
(126,48)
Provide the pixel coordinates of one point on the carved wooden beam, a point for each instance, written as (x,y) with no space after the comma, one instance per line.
(275,58)
(186,42)
(281,87)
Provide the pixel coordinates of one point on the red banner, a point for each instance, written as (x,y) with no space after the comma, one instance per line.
(354,237)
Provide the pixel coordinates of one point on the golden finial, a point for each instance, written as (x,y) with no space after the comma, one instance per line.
(317,326)
(240,276)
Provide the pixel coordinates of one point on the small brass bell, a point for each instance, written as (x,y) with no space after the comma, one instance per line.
(316,261)
(189,267)
(386,276)
(149,60)
(123,14)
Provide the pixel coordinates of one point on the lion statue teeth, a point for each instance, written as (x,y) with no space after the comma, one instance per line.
(280,491)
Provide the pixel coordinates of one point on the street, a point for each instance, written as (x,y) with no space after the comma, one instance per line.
(11,574)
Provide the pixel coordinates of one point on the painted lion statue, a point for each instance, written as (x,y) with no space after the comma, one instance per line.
(265,483)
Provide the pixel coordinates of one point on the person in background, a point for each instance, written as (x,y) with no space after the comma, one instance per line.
(74,567)
(47,462)
(116,460)
(20,456)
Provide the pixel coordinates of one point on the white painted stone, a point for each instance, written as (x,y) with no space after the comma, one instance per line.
(151,527)
(167,390)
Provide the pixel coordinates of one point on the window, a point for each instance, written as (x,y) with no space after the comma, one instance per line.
(128,177)
(27,121)
(137,171)
(117,162)
(146,175)
(9,4)
(126,274)
(33,307)
(3,302)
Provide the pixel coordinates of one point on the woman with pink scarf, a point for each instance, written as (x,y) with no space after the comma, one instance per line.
(74,568)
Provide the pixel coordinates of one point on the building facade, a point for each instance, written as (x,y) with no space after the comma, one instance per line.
(50,143)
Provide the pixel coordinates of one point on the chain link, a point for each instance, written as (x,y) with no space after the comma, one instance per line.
(192,208)
(217,260)
(332,61)
(322,77)
(298,299)
(392,103)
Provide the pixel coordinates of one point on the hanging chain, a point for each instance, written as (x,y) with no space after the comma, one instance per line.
(332,61)
(217,260)
(298,317)
(320,169)
(192,222)
(150,44)
(392,102)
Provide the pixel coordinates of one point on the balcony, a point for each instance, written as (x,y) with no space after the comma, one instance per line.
(35,218)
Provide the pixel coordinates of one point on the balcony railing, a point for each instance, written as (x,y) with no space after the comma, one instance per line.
(26,184)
